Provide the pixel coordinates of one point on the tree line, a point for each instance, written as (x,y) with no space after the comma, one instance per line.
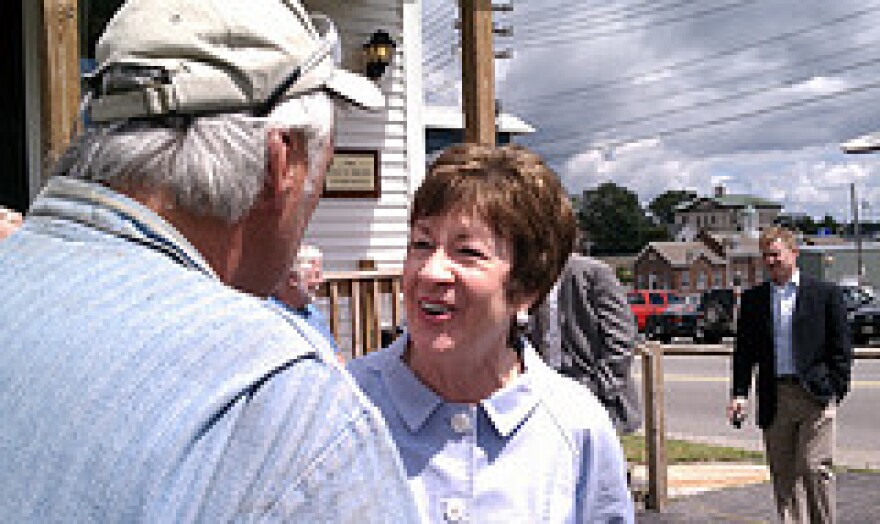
(614,222)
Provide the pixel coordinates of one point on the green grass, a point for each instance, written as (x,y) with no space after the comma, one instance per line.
(681,451)
(684,452)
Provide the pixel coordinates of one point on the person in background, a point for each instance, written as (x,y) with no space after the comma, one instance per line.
(10,221)
(296,295)
(144,376)
(486,430)
(794,329)
(585,330)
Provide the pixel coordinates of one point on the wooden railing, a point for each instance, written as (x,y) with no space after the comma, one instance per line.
(360,304)
(652,354)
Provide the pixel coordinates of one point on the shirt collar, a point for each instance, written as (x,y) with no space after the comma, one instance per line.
(110,212)
(794,281)
(506,409)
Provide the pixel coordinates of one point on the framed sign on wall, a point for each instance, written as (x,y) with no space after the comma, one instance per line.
(354,173)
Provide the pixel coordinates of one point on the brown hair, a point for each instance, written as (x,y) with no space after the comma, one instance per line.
(773,233)
(518,196)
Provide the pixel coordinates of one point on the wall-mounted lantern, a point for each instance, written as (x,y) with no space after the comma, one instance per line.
(378,53)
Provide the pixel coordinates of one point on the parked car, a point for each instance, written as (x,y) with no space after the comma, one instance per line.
(678,320)
(855,296)
(647,302)
(713,319)
(864,324)
(719,308)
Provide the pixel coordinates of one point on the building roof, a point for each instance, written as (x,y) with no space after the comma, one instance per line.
(451,117)
(731,201)
(824,240)
(677,253)
(735,244)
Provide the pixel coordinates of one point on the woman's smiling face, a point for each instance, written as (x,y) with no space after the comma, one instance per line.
(455,285)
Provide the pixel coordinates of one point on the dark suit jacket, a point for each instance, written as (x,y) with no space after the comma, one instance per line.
(820,344)
(597,335)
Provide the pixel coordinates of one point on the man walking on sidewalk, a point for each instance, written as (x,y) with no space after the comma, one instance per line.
(794,329)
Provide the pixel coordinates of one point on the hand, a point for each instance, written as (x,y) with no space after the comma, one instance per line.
(736,410)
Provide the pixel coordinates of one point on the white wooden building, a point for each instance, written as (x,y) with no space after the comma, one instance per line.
(55,34)
(349,230)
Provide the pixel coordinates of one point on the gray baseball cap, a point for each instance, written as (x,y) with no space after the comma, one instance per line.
(188,57)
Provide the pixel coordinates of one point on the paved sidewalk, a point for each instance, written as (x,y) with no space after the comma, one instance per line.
(857,501)
(691,479)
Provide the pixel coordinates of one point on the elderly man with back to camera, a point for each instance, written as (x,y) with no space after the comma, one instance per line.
(145,378)
(486,430)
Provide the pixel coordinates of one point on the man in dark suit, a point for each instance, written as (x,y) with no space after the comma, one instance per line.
(585,330)
(794,329)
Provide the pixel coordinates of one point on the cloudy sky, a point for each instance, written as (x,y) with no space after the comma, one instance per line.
(755,95)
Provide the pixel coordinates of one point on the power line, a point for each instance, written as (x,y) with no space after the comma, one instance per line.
(577,37)
(735,95)
(737,117)
(676,91)
(564,8)
(540,25)
(647,76)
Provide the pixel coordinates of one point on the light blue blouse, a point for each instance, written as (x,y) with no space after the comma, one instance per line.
(542,449)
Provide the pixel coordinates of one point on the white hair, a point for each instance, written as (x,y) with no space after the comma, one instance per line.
(212,165)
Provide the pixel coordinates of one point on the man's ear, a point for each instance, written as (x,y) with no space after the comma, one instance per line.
(287,162)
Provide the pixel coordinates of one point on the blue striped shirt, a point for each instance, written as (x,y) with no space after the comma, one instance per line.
(137,387)
(784,301)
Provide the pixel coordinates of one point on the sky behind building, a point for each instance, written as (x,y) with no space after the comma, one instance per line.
(755,95)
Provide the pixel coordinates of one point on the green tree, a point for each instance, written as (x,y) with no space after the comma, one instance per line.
(663,206)
(614,222)
(830,224)
(803,223)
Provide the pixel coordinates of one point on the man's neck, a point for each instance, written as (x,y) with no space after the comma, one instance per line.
(216,240)
(790,277)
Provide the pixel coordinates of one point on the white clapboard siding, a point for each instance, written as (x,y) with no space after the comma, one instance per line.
(349,230)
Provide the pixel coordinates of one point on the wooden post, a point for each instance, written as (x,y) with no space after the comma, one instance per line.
(655,427)
(478,71)
(60,92)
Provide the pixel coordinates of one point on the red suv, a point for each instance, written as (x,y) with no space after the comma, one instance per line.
(647,302)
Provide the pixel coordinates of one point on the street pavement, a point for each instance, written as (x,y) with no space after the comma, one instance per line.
(697,389)
(857,503)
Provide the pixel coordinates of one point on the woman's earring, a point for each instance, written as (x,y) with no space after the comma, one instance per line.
(522,319)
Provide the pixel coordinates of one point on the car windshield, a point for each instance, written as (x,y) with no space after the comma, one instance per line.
(635,298)
(675,299)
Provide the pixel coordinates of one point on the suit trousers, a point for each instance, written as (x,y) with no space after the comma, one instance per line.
(800,446)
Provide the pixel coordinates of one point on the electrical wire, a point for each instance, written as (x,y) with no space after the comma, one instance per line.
(651,74)
(565,36)
(715,122)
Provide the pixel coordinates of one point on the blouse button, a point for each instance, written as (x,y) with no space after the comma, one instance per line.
(454,510)
(461,423)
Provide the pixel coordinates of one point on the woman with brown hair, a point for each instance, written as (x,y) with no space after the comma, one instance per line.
(487,432)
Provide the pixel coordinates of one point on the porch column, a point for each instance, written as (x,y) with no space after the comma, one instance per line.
(60,90)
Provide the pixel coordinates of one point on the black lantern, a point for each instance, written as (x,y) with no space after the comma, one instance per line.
(378,53)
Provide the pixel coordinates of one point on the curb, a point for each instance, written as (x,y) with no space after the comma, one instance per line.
(689,479)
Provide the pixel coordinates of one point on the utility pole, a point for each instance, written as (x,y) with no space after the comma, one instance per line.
(478,71)
(856,231)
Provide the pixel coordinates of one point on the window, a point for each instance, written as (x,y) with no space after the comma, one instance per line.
(701,281)
(635,298)
(685,280)
(656,299)
(717,278)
